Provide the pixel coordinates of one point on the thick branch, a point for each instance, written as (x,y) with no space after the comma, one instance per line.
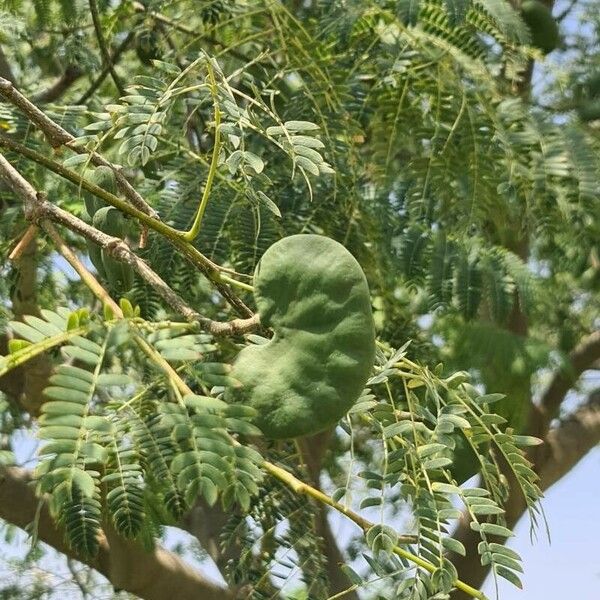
(38,209)
(313,451)
(583,357)
(209,269)
(24,301)
(568,443)
(155,575)
(57,136)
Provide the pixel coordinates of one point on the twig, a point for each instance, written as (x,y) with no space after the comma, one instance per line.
(195,228)
(193,255)
(41,208)
(23,243)
(565,13)
(106,59)
(57,136)
(37,209)
(187,30)
(299,487)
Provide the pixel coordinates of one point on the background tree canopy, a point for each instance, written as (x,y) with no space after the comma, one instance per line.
(150,152)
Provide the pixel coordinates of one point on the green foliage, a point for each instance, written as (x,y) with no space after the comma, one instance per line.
(394,128)
(312,293)
(141,452)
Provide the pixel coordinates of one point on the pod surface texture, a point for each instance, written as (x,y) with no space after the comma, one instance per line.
(314,295)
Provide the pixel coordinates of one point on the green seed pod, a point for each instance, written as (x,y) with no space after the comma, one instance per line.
(109,220)
(95,254)
(118,274)
(544,29)
(313,294)
(103,177)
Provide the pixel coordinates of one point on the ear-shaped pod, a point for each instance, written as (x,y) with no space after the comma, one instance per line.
(313,294)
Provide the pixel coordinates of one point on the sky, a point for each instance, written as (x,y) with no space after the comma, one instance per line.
(568,568)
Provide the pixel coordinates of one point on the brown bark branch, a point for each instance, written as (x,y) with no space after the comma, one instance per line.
(33,379)
(57,136)
(91,282)
(152,575)
(23,243)
(583,357)
(568,443)
(37,208)
(205,522)
(206,266)
(313,452)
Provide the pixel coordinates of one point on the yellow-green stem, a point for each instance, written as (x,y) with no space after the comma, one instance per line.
(195,229)
(235,282)
(22,356)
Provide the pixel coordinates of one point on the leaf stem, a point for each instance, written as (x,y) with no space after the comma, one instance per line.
(193,232)
(235,282)
(11,361)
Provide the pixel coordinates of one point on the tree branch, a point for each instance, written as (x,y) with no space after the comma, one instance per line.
(583,357)
(155,575)
(138,6)
(26,385)
(105,71)
(57,136)
(208,268)
(565,13)
(37,208)
(313,450)
(568,443)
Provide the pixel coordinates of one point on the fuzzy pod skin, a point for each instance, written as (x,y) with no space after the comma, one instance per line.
(103,177)
(95,254)
(109,220)
(314,295)
(118,274)
(544,28)
(94,250)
